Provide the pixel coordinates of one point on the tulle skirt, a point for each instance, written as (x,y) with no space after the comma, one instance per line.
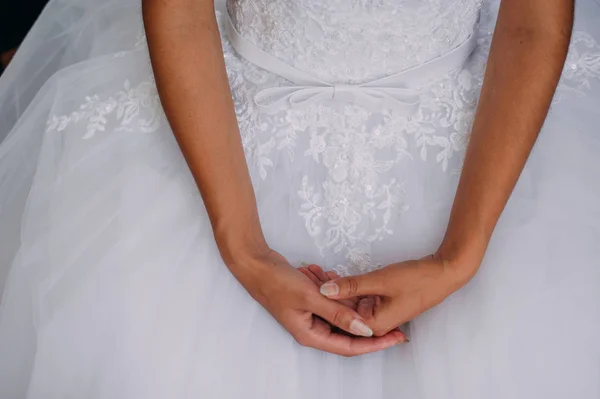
(114,288)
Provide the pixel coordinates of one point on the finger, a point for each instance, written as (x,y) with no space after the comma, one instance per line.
(324,277)
(317,271)
(318,282)
(388,316)
(311,276)
(350,287)
(321,337)
(352,302)
(340,316)
(406,337)
(332,276)
(366,308)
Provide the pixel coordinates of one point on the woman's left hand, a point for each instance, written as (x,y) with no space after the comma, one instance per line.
(399,292)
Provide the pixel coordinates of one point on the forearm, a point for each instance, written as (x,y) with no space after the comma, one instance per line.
(186,53)
(526,59)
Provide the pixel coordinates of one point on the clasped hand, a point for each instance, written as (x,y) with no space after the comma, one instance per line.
(347,316)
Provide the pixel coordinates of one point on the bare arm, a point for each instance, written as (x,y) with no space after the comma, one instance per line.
(528,52)
(187,58)
(527,56)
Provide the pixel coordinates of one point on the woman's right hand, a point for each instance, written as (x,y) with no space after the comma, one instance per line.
(296,303)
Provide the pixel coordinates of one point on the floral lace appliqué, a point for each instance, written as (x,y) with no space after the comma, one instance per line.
(582,66)
(132,108)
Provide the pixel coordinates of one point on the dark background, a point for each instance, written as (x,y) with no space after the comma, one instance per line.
(16,17)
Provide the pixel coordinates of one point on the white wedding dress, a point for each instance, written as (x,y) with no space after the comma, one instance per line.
(113,287)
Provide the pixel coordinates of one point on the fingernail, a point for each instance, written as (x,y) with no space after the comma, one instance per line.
(329,289)
(403,337)
(304,264)
(360,328)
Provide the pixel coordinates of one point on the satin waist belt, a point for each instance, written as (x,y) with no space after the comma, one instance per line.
(398,92)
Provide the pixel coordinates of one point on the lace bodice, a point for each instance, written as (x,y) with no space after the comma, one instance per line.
(352,41)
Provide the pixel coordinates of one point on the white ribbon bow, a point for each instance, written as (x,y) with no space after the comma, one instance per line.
(372,98)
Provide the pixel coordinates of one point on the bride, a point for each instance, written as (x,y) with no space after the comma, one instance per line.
(217,205)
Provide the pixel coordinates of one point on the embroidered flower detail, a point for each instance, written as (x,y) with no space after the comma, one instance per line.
(131,108)
(581,67)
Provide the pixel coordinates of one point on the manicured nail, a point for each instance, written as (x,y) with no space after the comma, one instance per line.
(358,327)
(330,289)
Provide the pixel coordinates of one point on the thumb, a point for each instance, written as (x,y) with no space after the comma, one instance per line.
(350,287)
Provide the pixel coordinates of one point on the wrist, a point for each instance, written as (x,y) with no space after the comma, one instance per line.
(463,258)
(241,245)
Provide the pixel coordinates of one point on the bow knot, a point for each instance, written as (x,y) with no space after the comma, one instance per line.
(343,93)
(400,99)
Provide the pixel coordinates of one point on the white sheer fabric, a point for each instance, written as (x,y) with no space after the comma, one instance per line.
(113,287)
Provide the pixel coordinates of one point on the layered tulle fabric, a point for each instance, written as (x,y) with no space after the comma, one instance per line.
(113,285)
